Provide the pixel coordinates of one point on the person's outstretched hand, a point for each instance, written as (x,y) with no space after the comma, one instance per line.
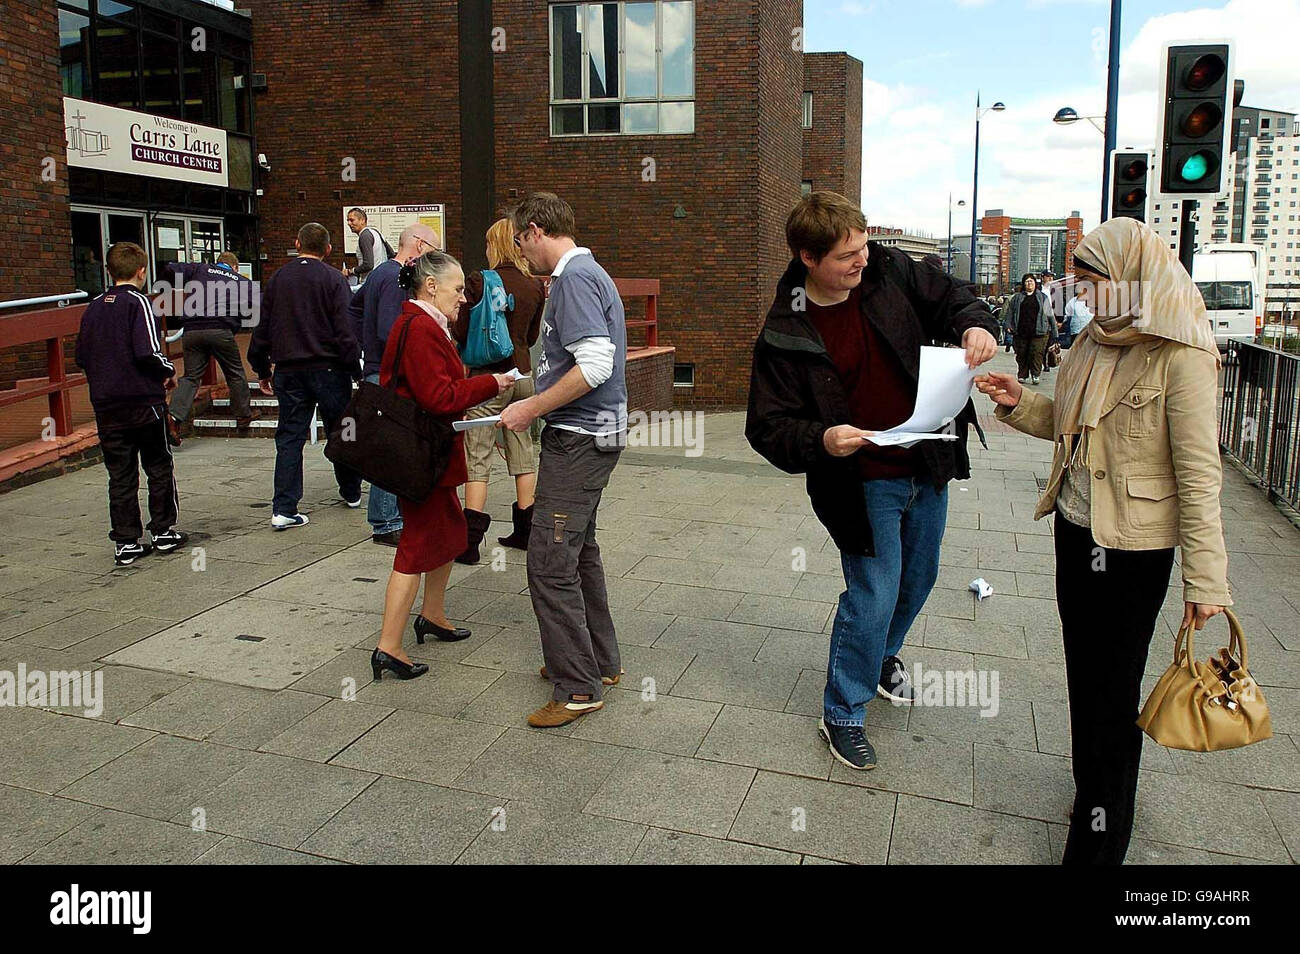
(1003,388)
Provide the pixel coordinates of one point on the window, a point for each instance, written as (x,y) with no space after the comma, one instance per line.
(623,68)
(807,110)
(805,187)
(74,53)
(683,375)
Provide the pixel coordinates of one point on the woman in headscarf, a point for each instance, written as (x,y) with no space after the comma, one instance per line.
(1029,317)
(1135,473)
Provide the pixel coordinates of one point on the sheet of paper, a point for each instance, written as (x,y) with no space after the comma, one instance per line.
(943,388)
(476,422)
(905,439)
(516,374)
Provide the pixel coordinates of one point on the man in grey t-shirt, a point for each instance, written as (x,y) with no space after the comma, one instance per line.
(582,396)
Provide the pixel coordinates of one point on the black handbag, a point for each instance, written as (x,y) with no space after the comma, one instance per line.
(390,440)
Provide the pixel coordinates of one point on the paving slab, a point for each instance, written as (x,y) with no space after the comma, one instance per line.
(417,745)
(928,832)
(662,847)
(668,791)
(528,834)
(118,838)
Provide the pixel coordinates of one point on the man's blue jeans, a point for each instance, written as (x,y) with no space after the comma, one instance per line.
(884,593)
(382,510)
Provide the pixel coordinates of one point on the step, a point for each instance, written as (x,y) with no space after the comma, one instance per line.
(255,402)
(226,427)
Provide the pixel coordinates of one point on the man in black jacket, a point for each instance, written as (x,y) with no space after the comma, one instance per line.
(129,376)
(217,299)
(304,331)
(837,360)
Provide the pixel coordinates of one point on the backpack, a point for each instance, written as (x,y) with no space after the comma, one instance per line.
(487,339)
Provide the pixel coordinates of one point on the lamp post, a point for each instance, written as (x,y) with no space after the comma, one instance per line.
(960,202)
(975,184)
(1066,116)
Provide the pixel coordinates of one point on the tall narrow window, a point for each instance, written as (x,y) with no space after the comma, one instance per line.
(807,110)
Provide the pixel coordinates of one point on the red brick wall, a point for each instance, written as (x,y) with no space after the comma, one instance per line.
(1000,225)
(1073,235)
(650,379)
(354,80)
(832,148)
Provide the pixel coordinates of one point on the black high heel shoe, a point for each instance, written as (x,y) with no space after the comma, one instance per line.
(380,660)
(424,627)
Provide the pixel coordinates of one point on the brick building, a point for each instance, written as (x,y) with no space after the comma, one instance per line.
(674,129)
(1032,245)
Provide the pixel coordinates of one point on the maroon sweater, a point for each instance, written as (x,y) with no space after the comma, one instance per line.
(880,393)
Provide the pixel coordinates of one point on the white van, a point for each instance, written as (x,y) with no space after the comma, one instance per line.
(1229,277)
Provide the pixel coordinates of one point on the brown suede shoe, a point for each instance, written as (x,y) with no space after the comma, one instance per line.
(555,714)
(604,680)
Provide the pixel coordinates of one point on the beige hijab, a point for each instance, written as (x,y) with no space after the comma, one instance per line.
(1157,299)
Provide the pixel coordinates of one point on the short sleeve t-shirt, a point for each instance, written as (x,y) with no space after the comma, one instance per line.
(584,303)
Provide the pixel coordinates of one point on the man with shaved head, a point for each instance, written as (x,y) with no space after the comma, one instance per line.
(375,306)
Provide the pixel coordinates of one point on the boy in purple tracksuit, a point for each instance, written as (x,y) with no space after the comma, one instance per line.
(129,376)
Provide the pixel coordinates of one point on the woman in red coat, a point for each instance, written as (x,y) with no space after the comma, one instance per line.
(434,529)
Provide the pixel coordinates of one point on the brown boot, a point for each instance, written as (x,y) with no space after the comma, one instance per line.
(555,714)
(253,415)
(604,680)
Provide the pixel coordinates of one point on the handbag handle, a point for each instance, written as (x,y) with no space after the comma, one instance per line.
(1236,640)
(397,358)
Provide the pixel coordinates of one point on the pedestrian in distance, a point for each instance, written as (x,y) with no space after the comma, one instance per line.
(120,349)
(1077,313)
(1135,474)
(433,530)
(372,248)
(374,310)
(305,354)
(837,360)
(1029,317)
(582,396)
(209,332)
(521,297)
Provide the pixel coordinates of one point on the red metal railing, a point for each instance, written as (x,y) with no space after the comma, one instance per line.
(49,325)
(647,288)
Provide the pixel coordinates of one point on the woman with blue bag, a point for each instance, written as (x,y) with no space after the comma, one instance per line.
(500,321)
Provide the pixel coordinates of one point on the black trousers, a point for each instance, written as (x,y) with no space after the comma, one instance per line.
(1109,601)
(130,438)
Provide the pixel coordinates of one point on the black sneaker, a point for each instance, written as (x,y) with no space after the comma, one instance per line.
(894,684)
(169,540)
(849,745)
(124,554)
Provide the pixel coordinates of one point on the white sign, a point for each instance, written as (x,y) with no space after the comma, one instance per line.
(122,140)
(391,219)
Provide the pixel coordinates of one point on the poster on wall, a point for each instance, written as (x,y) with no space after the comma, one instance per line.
(391,219)
(141,144)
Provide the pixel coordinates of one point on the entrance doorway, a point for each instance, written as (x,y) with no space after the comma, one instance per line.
(169,238)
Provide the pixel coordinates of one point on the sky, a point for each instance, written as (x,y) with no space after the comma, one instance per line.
(924,60)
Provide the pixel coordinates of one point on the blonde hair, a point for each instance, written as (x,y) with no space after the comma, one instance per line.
(501,246)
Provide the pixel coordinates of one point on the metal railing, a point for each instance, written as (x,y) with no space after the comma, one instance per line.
(1260,414)
(57,300)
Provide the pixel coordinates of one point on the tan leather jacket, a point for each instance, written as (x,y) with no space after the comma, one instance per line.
(1156,472)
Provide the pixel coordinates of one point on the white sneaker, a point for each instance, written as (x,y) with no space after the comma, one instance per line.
(1034,379)
(354,504)
(281,522)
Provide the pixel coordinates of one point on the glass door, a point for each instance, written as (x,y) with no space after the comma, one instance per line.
(88,251)
(206,240)
(168,243)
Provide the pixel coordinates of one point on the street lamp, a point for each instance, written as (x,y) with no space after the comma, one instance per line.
(1066,116)
(975,185)
(960,202)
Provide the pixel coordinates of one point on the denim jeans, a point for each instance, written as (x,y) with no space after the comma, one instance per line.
(884,593)
(300,391)
(382,511)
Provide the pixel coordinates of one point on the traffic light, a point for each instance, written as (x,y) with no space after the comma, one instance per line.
(1128,184)
(1195,119)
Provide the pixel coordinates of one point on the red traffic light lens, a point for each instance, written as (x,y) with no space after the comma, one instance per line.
(1201,120)
(1134,170)
(1205,72)
(1133,199)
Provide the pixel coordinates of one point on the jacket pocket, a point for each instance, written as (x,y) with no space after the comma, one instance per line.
(1152,501)
(1143,406)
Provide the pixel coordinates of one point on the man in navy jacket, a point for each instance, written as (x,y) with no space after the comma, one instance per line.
(303,331)
(129,376)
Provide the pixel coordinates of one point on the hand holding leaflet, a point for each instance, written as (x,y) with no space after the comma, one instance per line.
(942,390)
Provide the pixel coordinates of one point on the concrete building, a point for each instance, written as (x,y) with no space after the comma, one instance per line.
(917,245)
(1033,245)
(676,130)
(987,264)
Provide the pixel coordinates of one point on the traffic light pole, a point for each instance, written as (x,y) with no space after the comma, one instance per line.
(1187,234)
(1112,104)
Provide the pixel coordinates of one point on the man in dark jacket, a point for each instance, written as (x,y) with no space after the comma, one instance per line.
(303,330)
(217,300)
(129,376)
(838,359)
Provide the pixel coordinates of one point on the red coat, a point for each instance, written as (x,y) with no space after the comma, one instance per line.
(433,375)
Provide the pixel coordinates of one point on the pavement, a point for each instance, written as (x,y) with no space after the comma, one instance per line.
(239,722)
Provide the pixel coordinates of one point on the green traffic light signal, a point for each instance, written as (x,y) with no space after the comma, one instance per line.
(1196,168)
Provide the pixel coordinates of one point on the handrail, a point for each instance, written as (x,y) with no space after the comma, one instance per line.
(49,326)
(58,300)
(647,288)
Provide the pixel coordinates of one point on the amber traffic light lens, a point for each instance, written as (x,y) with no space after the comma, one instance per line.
(1133,198)
(1205,72)
(1201,120)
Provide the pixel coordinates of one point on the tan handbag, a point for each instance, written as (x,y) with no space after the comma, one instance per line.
(1205,707)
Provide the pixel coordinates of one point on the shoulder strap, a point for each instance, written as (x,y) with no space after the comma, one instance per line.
(397,358)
